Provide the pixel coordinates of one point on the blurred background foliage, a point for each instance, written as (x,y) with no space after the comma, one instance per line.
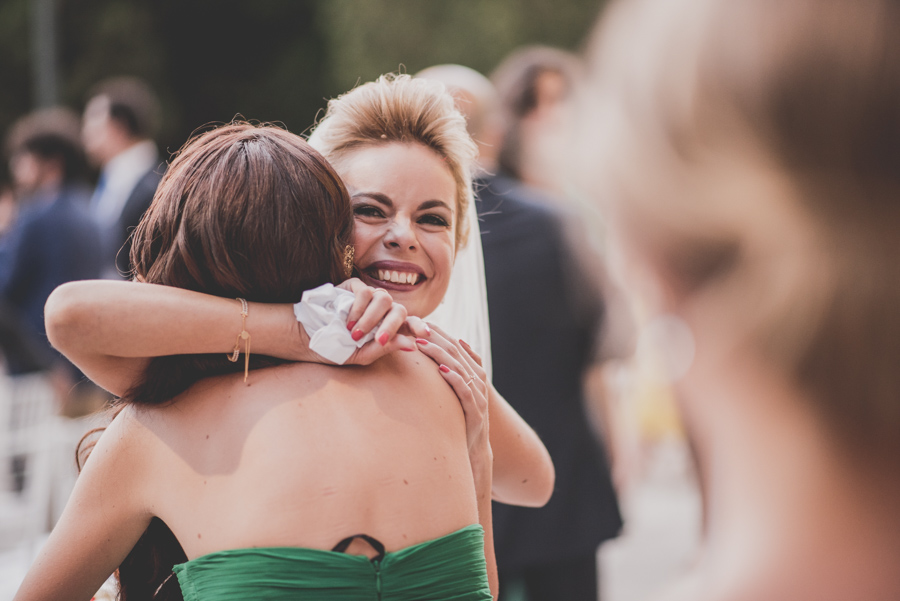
(270,60)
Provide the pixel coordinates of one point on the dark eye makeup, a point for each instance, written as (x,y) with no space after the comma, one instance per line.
(432,219)
(367,210)
(374,212)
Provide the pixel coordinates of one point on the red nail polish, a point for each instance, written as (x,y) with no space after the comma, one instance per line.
(444,369)
(356,335)
(427,329)
(383,339)
(421,341)
(350,325)
(408,350)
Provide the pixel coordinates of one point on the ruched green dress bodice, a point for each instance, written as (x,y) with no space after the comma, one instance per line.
(451,567)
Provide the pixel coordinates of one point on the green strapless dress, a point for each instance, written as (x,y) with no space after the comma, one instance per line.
(451,567)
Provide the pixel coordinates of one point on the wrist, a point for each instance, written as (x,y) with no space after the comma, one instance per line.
(482,462)
(299,341)
(277,333)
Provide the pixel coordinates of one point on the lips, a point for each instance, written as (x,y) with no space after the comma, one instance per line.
(394,275)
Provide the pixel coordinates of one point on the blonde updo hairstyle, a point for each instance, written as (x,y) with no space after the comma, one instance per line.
(753,148)
(399,108)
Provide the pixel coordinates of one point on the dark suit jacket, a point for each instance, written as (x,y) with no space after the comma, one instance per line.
(544,330)
(137,204)
(51,243)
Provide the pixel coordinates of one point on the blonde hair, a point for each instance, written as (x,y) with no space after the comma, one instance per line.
(756,146)
(399,108)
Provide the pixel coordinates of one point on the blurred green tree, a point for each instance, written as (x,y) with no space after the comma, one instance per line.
(274,60)
(377,36)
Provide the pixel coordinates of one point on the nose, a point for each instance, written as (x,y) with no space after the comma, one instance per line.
(400,235)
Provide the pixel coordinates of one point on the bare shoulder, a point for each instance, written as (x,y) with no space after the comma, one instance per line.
(123,463)
(125,439)
(413,372)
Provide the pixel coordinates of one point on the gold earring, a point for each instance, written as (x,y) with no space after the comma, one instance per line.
(349,252)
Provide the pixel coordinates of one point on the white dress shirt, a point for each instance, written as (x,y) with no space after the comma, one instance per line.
(118,179)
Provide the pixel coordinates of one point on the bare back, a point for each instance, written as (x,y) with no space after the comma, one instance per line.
(307,455)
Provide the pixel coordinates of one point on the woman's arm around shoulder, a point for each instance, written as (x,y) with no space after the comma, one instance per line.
(111,329)
(523,472)
(105,516)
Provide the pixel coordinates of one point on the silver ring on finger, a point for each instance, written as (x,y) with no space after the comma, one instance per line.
(472,379)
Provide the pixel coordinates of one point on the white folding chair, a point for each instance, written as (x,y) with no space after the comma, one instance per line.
(27,415)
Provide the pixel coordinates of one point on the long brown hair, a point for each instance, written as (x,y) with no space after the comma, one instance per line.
(243,211)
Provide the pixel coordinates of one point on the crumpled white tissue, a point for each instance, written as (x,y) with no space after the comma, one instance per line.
(323,311)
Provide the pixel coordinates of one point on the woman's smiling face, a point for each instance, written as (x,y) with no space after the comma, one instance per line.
(404,202)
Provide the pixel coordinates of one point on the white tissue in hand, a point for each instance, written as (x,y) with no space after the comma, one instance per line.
(323,311)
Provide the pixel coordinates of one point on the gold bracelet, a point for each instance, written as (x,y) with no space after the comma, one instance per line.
(245,336)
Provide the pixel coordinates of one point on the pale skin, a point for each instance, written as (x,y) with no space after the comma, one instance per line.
(213,454)
(110,329)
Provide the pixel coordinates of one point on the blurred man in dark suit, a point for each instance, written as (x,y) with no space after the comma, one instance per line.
(52,240)
(120,120)
(547,317)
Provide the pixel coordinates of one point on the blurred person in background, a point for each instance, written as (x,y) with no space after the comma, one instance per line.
(7,206)
(120,119)
(750,156)
(53,238)
(548,326)
(535,86)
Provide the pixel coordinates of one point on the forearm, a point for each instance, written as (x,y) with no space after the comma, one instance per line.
(482,471)
(109,328)
(523,471)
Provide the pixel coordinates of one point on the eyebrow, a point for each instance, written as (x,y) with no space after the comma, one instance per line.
(386,201)
(428,204)
(376,196)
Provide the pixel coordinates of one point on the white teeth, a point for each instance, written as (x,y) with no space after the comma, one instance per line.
(397,277)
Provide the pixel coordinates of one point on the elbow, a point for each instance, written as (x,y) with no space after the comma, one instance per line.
(546,480)
(534,490)
(65,316)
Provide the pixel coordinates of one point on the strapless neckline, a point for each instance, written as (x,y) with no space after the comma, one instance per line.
(327,552)
(450,567)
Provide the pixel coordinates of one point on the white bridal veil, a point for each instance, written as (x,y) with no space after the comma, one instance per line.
(464,310)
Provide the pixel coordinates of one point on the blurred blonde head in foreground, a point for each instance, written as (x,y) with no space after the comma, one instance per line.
(749,151)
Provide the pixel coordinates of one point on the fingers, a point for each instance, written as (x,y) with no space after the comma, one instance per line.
(474,406)
(362,297)
(372,351)
(475,356)
(445,353)
(473,403)
(474,365)
(370,306)
(464,374)
(418,327)
(455,348)
(392,322)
